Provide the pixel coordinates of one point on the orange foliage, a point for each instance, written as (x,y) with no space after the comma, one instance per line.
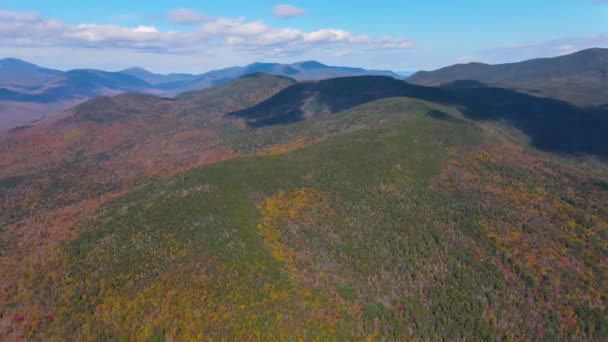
(539,229)
(293,145)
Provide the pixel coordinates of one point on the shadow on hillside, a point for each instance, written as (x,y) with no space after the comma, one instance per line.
(283,108)
(333,95)
(552,125)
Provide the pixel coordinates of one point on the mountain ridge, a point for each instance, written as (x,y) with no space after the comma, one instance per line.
(29,86)
(580,77)
(550,124)
(398,218)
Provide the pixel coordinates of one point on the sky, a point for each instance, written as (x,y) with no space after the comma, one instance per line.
(195,36)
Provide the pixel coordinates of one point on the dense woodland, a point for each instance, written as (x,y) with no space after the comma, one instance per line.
(393,219)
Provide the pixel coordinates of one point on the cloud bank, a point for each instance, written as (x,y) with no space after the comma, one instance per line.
(207,33)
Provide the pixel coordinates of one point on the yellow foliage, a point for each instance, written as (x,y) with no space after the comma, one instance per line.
(285,208)
(71,136)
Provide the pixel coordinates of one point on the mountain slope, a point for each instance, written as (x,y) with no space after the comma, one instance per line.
(133,134)
(581,78)
(550,125)
(399,220)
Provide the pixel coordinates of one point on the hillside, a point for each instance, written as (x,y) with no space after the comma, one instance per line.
(130,133)
(549,124)
(105,144)
(581,78)
(245,92)
(396,219)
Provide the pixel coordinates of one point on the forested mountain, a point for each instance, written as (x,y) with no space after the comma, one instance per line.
(267,208)
(580,78)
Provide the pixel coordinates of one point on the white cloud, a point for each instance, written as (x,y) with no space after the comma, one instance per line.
(288,11)
(226,26)
(333,35)
(186,16)
(19,16)
(392,43)
(30,29)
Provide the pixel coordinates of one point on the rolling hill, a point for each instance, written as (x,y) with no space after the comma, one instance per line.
(580,78)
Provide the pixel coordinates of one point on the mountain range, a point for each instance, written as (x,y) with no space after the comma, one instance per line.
(29,92)
(269,207)
(580,78)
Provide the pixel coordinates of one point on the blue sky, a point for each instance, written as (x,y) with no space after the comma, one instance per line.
(195,36)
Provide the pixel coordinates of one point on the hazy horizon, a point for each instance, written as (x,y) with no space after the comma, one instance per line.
(189,37)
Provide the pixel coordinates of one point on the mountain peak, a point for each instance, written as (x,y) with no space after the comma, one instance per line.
(135,69)
(592,53)
(592,50)
(14,62)
(137,72)
(309,65)
(17,71)
(10,59)
(262,64)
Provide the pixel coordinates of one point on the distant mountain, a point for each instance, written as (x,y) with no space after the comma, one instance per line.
(64,90)
(301,71)
(157,79)
(29,92)
(200,104)
(91,83)
(17,73)
(581,78)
